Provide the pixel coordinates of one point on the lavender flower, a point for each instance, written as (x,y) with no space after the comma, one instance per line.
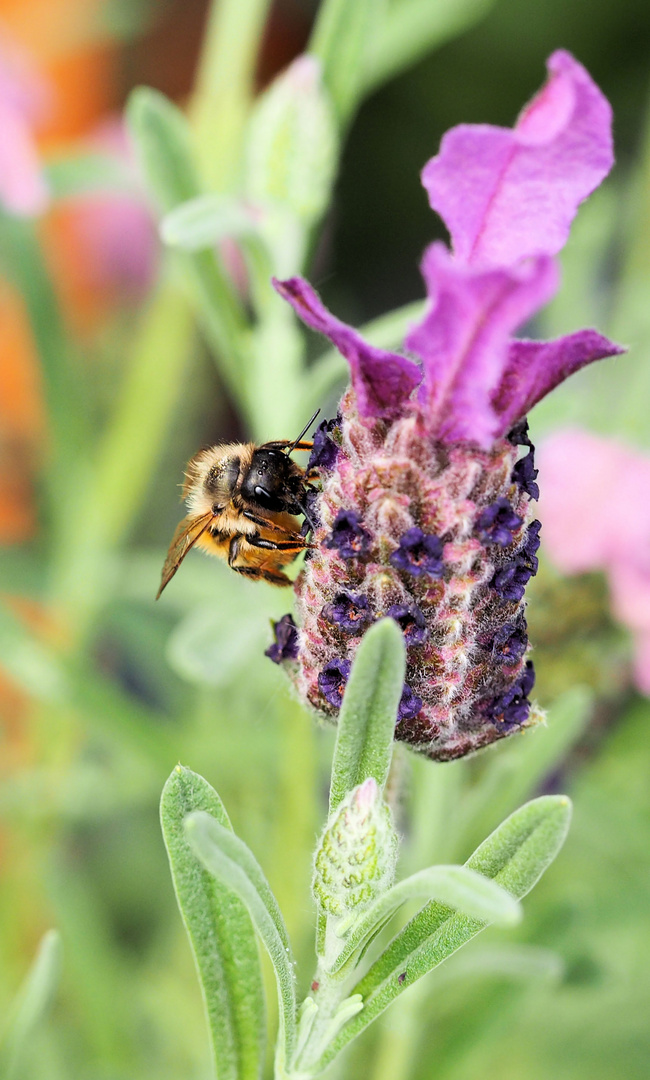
(348,536)
(426,507)
(409,705)
(332,680)
(325,448)
(498,523)
(418,554)
(285,646)
(351,613)
(412,622)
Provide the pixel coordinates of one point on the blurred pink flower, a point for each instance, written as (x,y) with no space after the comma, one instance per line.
(115,226)
(23,102)
(595,509)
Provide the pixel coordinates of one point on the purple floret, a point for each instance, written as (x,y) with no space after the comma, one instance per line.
(511,578)
(348,535)
(525,474)
(513,707)
(498,523)
(349,612)
(332,680)
(510,642)
(532,541)
(412,622)
(518,435)
(325,451)
(418,554)
(285,646)
(409,705)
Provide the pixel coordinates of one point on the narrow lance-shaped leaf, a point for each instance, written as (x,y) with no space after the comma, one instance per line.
(411,29)
(162,141)
(229,860)
(514,856)
(220,932)
(364,742)
(457,886)
(32,1003)
(342,39)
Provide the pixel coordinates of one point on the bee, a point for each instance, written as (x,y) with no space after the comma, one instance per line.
(243,502)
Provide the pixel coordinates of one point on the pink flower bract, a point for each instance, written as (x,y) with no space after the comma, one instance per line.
(524,185)
(508,198)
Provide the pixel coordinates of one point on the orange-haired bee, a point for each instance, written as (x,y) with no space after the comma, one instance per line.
(243,503)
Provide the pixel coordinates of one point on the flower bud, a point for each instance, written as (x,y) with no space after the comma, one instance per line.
(292,143)
(355,859)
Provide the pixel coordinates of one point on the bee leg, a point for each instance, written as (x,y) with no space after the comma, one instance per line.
(261,521)
(255,573)
(274,577)
(277,545)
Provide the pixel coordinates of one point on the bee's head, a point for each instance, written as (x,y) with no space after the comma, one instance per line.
(266,480)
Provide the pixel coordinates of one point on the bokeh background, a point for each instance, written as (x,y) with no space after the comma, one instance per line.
(108,384)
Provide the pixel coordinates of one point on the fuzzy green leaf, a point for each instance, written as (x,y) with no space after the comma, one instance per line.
(163,145)
(31,1004)
(342,39)
(413,28)
(364,742)
(220,932)
(514,856)
(230,861)
(162,140)
(458,887)
(205,220)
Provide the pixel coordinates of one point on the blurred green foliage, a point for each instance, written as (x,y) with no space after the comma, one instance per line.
(102,692)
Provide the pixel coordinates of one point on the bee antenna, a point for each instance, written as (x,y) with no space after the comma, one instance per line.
(304,430)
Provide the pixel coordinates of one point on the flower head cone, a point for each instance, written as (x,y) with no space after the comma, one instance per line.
(428,481)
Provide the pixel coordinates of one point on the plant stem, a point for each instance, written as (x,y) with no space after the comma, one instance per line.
(225,86)
(112,490)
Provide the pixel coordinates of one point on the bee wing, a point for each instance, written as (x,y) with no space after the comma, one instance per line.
(185,537)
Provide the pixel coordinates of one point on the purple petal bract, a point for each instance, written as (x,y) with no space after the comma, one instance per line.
(382,380)
(506,194)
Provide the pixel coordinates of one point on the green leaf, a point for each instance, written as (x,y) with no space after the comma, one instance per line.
(522,766)
(220,932)
(230,861)
(364,742)
(24,264)
(413,28)
(205,220)
(526,963)
(458,887)
(30,1006)
(163,144)
(342,39)
(514,856)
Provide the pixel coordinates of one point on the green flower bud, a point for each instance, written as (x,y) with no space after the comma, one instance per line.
(355,859)
(292,142)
